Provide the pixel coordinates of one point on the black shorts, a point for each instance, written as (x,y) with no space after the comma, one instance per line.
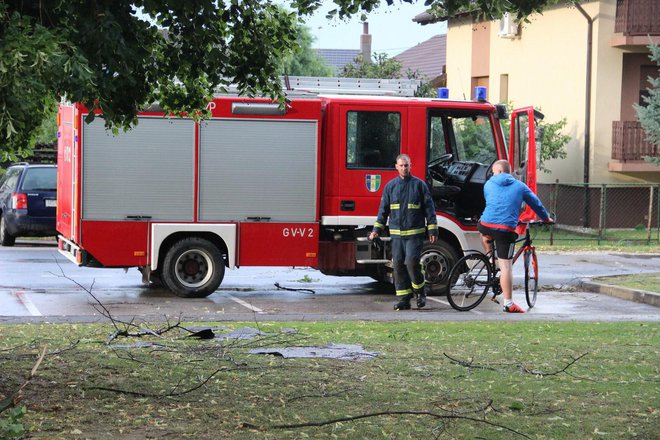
(505,241)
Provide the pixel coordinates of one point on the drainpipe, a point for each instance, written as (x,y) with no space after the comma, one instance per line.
(587,112)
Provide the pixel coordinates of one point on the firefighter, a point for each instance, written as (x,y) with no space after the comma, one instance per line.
(408,204)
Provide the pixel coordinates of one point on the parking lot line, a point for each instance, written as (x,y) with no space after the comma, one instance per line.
(22,297)
(477,312)
(244,304)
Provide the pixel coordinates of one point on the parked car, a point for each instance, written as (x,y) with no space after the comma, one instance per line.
(28,196)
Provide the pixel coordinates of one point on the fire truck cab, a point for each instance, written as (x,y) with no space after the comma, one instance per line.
(259,184)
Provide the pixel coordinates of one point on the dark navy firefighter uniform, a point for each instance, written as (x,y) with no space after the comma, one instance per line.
(408,204)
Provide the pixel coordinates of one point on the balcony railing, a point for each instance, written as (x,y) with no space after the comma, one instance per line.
(629,142)
(637,17)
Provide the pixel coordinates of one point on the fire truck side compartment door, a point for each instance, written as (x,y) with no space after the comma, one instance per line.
(258,169)
(144,173)
(279,244)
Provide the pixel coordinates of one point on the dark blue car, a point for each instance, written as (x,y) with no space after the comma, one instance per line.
(28,196)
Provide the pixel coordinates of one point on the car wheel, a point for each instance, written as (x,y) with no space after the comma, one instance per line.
(6,239)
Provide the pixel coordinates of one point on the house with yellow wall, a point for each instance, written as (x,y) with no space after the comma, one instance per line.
(588,63)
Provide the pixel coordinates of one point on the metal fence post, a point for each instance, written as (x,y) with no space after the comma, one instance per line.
(657,237)
(602,218)
(554,210)
(650,215)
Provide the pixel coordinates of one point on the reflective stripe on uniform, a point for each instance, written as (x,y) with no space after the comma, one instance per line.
(432,227)
(414,205)
(407,233)
(403,292)
(418,286)
(379,225)
(394,206)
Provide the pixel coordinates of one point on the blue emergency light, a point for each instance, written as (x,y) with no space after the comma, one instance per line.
(480,93)
(443,93)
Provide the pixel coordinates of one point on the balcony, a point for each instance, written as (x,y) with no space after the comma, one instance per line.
(629,146)
(637,23)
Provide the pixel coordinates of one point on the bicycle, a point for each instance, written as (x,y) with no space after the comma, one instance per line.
(476,273)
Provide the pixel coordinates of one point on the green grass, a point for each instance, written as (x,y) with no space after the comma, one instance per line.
(511,376)
(648,281)
(625,240)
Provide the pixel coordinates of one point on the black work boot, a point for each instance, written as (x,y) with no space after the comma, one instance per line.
(421,298)
(404,302)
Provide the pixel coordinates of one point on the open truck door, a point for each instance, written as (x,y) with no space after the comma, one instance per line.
(525,151)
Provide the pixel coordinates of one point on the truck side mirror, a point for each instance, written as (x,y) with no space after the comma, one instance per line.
(502,112)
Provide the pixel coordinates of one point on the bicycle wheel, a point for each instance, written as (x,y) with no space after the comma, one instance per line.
(531,277)
(469,282)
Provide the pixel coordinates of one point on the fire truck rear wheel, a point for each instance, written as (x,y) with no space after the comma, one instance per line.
(437,259)
(193,268)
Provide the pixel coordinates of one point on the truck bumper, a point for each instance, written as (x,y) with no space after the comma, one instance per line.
(72,251)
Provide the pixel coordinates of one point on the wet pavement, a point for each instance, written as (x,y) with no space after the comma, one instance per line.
(38,284)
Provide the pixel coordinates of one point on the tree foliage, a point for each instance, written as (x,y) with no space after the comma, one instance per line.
(649,115)
(381,66)
(304,61)
(552,140)
(116,56)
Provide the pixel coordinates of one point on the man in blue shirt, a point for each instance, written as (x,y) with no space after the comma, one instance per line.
(504,196)
(407,202)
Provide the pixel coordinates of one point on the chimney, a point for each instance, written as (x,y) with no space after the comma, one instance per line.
(365,43)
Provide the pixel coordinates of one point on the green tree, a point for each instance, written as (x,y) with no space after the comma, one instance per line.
(649,114)
(386,68)
(380,67)
(552,141)
(304,61)
(116,56)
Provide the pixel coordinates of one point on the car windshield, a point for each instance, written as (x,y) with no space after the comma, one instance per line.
(40,179)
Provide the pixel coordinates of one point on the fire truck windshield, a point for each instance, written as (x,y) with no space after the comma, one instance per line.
(469,138)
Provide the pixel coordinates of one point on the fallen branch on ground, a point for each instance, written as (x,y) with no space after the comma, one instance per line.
(518,365)
(127,326)
(14,398)
(387,413)
(294,290)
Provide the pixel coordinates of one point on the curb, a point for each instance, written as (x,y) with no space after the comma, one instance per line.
(636,295)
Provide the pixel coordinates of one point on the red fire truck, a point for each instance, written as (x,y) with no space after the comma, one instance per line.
(258,184)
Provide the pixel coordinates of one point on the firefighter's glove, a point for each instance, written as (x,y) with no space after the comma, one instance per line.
(377,243)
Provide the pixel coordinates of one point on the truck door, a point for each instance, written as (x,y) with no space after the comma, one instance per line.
(523,150)
(371,138)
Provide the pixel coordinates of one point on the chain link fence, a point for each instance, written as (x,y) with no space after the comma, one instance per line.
(617,214)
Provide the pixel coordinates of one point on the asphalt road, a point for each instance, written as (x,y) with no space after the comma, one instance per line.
(37,284)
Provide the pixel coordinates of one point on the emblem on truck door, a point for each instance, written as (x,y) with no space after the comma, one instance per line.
(373,182)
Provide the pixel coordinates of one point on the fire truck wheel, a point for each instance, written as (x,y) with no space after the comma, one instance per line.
(437,259)
(193,268)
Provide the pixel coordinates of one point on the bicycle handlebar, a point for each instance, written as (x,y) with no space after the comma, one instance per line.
(551,221)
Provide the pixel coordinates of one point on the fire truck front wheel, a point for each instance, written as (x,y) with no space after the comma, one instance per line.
(437,259)
(193,268)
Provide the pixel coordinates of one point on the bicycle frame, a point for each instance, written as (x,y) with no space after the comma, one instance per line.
(485,278)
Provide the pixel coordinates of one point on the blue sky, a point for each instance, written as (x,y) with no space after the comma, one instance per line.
(391,27)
